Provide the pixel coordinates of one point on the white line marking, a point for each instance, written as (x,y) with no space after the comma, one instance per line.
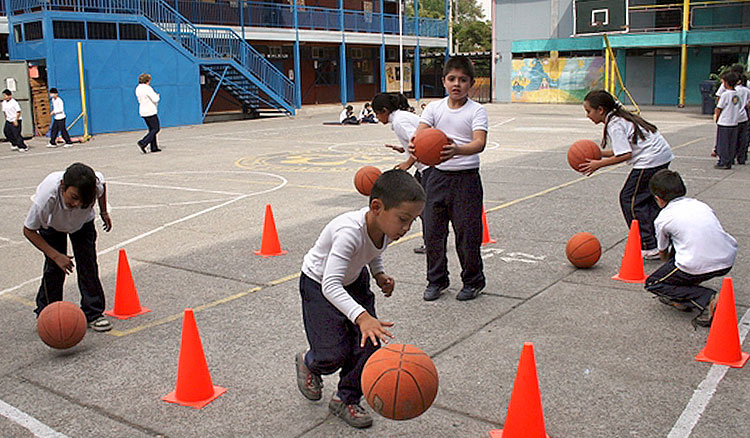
(170,204)
(28,422)
(187,189)
(705,391)
(503,122)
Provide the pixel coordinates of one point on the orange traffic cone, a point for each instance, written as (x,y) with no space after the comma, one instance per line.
(127,304)
(194,386)
(269,244)
(631,269)
(524,417)
(723,343)
(486,239)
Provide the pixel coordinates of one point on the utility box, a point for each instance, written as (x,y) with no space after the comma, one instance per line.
(14,76)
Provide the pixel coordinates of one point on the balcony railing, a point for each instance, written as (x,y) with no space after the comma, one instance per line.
(704,15)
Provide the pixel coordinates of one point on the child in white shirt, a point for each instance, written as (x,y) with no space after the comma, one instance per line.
(12,128)
(58,120)
(727,115)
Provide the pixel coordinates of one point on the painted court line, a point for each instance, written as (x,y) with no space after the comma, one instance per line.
(186,189)
(26,421)
(705,391)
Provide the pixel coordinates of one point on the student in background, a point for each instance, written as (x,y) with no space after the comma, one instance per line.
(12,128)
(58,120)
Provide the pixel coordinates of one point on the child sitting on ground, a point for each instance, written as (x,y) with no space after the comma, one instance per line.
(346,117)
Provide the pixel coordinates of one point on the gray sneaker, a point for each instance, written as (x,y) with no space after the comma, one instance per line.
(469,292)
(100,324)
(706,317)
(310,384)
(353,414)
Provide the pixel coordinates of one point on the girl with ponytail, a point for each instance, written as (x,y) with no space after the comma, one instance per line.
(631,139)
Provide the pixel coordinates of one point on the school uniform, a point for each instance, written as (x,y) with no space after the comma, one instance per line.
(347,118)
(335,290)
(743,131)
(404,124)
(649,156)
(58,124)
(148,101)
(55,222)
(727,129)
(367,116)
(702,250)
(454,194)
(11,110)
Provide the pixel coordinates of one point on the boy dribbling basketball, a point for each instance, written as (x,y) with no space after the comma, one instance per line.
(338,308)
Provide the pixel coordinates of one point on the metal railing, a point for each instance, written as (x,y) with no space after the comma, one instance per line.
(704,15)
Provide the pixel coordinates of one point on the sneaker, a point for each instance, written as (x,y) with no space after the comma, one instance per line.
(68,145)
(676,304)
(310,384)
(722,166)
(51,145)
(26,149)
(13,147)
(707,316)
(353,414)
(142,147)
(420,250)
(650,254)
(155,150)
(469,293)
(101,324)
(433,292)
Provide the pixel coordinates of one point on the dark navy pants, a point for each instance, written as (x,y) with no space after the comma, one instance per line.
(677,285)
(58,127)
(153,128)
(743,136)
(84,253)
(637,202)
(334,340)
(726,144)
(454,197)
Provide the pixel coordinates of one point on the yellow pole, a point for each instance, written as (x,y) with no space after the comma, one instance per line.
(86,135)
(684,51)
(612,77)
(606,65)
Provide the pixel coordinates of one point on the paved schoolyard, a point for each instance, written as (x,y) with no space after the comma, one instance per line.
(611,361)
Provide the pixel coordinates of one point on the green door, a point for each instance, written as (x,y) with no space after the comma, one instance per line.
(667,77)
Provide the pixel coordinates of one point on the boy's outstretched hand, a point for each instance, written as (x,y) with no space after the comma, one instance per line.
(386,283)
(373,329)
(65,262)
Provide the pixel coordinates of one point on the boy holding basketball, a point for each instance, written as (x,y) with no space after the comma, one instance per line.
(701,248)
(338,308)
(64,206)
(453,187)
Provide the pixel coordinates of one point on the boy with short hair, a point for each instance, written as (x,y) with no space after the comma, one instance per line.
(454,187)
(64,206)
(58,122)
(701,249)
(338,308)
(346,117)
(727,116)
(12,128)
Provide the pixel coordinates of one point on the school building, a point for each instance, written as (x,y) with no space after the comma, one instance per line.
(554,51)
(213,57)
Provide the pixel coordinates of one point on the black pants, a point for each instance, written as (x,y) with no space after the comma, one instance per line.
(58,127)
(84,253)
(637,202)
(677,285)
(334,340)
(743,136)
(13,134)
(153,128)
(726,144)
(454,197)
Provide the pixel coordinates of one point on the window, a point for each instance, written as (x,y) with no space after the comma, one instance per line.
(17,34)
(71,30)
(33,30)
(102,31)
(132,32)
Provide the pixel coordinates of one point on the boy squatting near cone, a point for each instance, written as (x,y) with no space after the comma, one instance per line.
(64,206)
(701,249)
(338,308)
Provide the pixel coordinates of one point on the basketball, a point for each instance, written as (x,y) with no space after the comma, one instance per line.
(580,150)
(428,144)
(583,250)
(399,381)
(61,324)
(365,178)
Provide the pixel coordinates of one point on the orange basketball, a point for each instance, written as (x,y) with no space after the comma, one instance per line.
(365,178)
(399,381)
(428,144)
(583,250)
(580,150)
(61,324)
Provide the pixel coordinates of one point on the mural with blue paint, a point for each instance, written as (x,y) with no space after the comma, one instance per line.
(556,80)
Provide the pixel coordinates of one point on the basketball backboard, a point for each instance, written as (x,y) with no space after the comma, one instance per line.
(591,17)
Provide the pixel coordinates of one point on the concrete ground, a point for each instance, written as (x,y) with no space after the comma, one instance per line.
(611,360)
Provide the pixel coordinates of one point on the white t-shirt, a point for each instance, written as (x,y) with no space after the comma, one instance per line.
(647,153)
(148,99)
(730,103)
(338,256)
(11,108)
(404,124)
(701,244)
(459,125)
(744,94)
(58,108)
(49,210)
(343,115)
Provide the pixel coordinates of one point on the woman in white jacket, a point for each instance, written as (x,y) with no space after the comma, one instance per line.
(148,99)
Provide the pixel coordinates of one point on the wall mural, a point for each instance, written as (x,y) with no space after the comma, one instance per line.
(556,80)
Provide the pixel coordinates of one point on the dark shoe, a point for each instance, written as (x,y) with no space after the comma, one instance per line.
(310,385)
(354,415)
(722,166)
(707,316)
(100,324)
(142,147)
(742,163)
(433,292)
(420,250)
(156,150)
(469,293)
(676,304)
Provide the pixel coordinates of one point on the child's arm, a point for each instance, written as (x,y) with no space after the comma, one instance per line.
(64,261)
(608,159)
(103,210)
(422,126)
(372,329)
(475,146)
(386,283)
(717,113)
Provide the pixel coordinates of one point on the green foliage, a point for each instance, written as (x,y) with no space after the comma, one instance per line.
(470,32)
(473,36)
